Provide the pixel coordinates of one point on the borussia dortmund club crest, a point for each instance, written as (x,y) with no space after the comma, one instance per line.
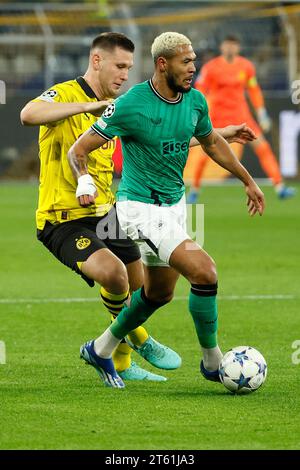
(82,243)
(109,110)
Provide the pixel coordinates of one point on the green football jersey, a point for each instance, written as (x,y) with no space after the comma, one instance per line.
(155,135)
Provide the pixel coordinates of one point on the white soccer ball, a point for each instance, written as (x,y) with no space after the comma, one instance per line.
(243,369)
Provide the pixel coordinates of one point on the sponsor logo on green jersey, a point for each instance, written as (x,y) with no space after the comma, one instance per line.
(172,147)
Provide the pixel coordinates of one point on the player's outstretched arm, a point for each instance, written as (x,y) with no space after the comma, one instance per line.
(241,134)
(78,158)
(37,113)
(219,150)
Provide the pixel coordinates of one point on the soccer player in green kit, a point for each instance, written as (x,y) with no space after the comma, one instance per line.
(157,120)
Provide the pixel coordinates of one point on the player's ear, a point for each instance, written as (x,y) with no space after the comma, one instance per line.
(162,64)
(96,60)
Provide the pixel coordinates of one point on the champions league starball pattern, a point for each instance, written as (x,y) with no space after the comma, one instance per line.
(243,369)
(109,111)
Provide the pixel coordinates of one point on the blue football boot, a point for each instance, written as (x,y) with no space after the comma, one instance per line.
(104,367)
(209,375)
(192,197)
(286,193)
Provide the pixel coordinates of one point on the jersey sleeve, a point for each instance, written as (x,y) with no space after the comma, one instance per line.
(114,121)
(204,126)
(251,73)
(254,90)
(55,94)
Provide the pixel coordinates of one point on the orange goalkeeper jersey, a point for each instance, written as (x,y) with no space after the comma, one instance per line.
(224,84)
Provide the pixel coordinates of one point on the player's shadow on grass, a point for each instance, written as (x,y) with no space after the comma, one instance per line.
(195,393)
(178,394)
(184,393)
(161,390)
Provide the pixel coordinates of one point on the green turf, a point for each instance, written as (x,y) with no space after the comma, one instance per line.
(50,400)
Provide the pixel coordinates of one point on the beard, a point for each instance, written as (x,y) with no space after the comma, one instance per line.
(175,87)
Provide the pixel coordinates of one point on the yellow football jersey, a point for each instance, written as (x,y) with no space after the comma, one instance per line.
(57,199)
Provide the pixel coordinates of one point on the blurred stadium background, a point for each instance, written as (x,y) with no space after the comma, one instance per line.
(47,42)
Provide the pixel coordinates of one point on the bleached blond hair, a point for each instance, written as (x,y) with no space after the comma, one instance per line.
(165,44)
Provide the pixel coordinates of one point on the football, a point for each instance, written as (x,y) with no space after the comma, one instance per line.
(243,369)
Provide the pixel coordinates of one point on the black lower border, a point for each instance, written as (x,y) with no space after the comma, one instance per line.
(151,458)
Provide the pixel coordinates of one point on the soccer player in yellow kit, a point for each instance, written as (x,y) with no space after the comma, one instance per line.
(76,233)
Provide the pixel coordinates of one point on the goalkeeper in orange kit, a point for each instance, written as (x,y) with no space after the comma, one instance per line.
(224,81)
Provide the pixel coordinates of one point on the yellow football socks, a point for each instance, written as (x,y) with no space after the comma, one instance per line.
(122,357)
(138,336)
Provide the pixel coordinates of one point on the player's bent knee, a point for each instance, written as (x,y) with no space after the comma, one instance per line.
(110,273)
(163,297)
(211,275)
(205,274)
(113,278)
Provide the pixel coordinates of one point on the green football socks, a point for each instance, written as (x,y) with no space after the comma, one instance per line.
(203,308)
(132,316)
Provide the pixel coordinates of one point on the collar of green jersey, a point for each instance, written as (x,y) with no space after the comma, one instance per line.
(178,100)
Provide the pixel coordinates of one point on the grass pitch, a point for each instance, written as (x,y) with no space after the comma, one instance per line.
(51,400)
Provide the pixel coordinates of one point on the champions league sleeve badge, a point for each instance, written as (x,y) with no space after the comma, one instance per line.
(109,110)
(48,95)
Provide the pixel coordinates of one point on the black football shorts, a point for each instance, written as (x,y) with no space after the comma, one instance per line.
(74,241)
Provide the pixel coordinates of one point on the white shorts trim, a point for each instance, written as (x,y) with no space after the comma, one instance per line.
(157,229)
